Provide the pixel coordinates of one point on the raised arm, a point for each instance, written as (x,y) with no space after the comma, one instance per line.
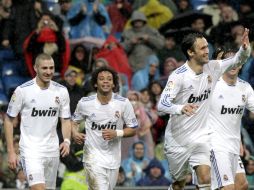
(240,57)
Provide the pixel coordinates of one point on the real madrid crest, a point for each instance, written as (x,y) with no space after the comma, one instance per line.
(117,114)
(57,100)
(209,79)
(243,98)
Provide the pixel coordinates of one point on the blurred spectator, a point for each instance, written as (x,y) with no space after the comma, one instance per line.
(140,41)
(81,62)
(171,49)
(156,13)
(250,171)
(169,3)
(47,39)
(23,19)
(246,8)
(113,52)
(5,10)
(75,92)
(221,32)
(183,5)
(169,66)
(149,73)
(96,22)
(119,12)
(122,180)
(154,175)
(61,10)
(136,162)
(144,131)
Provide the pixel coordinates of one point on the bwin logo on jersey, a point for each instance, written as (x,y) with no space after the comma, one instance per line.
(225,110)
(108,125)
(204,96)
(51,112)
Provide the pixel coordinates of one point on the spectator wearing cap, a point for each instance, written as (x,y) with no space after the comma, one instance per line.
(154,175)
(75,92)
(140,41)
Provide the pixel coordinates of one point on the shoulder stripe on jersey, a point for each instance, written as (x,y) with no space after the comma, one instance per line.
(165,102)
(240,80)
(181,71)
(92,97)
(28,83)
(57,84)
(120,98)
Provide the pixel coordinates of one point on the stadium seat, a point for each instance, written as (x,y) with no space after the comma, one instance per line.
(1,86)
(11,82)
(6,54)
(3,102)
(10,68)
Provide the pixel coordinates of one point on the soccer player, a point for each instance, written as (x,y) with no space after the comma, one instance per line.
(186,98)
(40,102)
(105,113)
(230,98)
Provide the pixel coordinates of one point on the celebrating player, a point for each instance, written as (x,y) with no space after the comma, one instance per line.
(186,97)
(40,102)
(105,114)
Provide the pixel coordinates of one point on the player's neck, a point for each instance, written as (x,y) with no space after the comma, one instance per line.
(230,80)
(104,98)
(198,69)
(41,84)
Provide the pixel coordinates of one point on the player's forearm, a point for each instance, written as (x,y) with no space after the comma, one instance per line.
(8,130)
(168,107)
(129,132)
(239,59)
(66,128)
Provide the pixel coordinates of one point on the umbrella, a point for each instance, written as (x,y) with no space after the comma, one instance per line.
(178,34)
(186,19)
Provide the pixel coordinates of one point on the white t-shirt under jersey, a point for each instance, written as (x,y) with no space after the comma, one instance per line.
(185,86)
(113,115)
(227,107)
(39,110)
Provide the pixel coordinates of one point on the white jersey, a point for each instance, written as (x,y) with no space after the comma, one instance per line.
(113,115)
(39,110)
(227,107)
(185,86)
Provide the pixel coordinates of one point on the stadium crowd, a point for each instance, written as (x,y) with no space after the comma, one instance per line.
(141,41)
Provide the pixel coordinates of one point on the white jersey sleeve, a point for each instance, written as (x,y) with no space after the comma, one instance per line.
(65,105)
(78,115)
(239,59)
(15,103)
(166,102)
(250,99)
(129,115)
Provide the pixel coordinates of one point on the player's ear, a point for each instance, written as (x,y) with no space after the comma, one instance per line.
(35,68)
(95,85)
(190,52)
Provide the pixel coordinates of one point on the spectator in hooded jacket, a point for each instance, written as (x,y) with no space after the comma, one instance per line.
(154,175)
(140,41)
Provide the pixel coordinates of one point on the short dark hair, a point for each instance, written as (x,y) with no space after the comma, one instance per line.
(108,69)
(188,42)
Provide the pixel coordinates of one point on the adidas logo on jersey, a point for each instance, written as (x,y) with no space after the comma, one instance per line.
(204,96)
(51,112)
(225,110)
(108,125)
